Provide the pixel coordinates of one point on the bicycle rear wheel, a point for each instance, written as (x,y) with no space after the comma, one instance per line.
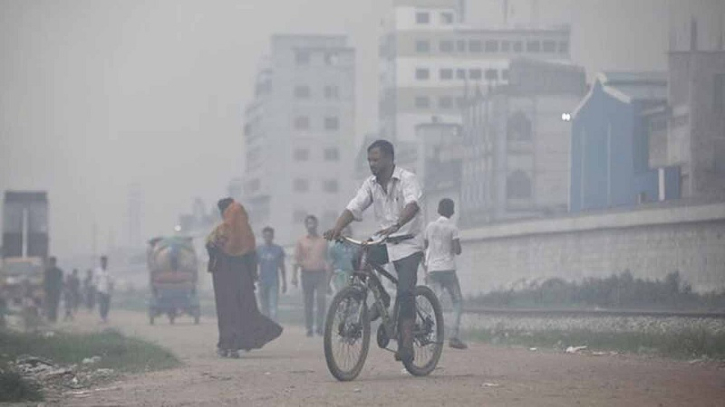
(347,333)
(427,333)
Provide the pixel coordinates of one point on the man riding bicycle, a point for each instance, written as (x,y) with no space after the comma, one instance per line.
(394,194)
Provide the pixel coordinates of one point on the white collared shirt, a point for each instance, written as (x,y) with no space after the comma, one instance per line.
(440,235)
(403,189)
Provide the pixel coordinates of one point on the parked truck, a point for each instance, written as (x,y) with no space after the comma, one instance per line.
(24,246)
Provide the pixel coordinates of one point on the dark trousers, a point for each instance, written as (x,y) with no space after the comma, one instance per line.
(52,299)
(314,282)
(104,304)
(407,270)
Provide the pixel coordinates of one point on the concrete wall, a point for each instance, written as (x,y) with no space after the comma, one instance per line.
(648,242)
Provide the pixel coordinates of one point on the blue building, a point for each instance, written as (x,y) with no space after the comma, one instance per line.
(610,143)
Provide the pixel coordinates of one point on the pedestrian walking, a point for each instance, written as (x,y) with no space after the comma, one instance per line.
(442,246)
(271,270)
(232,262)
(53,287)
(103,282)
(89,291)
(311,264)
(71,294)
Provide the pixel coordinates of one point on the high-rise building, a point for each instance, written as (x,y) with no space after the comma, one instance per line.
(299,134)
(430,61)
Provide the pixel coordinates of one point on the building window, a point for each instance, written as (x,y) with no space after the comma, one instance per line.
(302,154)
(475,46)
(331,58)
(564,47)
(518,185)
(332,154)
(302,58)
(446,46)
(460,102)
(445,102)
(332,123)
(461,45)
(252,186)
(302,92)
(301,185)
(518,127)
(460,74)
(549,46)
(533,46)
(332,92)
(491,46)
(422,17)
(422,74)
(422,102)
(330,186)
(475,74)
(446,18)
(505,74)
(491,74)
(505,46)
(302,123)
(446,74)
(719,93)
(422,46)
(518,46)
(299,216)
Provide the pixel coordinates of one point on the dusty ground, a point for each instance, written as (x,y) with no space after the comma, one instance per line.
(292,371)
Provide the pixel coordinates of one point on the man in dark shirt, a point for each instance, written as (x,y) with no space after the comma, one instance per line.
(270,258)
(53,285)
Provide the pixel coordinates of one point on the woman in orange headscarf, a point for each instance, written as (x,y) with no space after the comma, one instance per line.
(232,261)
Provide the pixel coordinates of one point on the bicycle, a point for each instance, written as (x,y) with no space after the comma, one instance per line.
(348,325)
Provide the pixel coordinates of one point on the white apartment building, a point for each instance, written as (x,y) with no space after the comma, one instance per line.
(430,61)
(299,134)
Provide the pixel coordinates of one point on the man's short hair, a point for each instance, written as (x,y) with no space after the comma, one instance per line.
(311,217)
(104,258)
(268,229)
(385,147)
(224,203)
(445,206)
(52,259)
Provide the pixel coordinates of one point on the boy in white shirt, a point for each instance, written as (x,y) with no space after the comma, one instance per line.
(442,245)
(104,288)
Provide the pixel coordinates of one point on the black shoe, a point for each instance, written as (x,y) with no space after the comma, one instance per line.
(309,334)
(456,343)
(222,353)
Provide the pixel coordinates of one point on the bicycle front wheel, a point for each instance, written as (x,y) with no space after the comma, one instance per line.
(427,333)
(347,333)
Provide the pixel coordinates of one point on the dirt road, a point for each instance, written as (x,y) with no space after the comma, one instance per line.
(292,371)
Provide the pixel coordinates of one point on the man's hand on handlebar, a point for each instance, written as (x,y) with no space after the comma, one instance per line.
(332,234)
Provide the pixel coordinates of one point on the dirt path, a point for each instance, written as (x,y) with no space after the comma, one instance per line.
(292,371)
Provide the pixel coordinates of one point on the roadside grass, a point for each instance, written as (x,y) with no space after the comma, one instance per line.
(117,352)
(687,343)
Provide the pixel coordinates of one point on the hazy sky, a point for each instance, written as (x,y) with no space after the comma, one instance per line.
(99,95)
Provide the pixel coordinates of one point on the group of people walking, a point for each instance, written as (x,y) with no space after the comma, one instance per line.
(323,259)
(95,288)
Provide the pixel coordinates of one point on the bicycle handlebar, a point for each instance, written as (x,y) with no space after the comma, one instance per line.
(380,240)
